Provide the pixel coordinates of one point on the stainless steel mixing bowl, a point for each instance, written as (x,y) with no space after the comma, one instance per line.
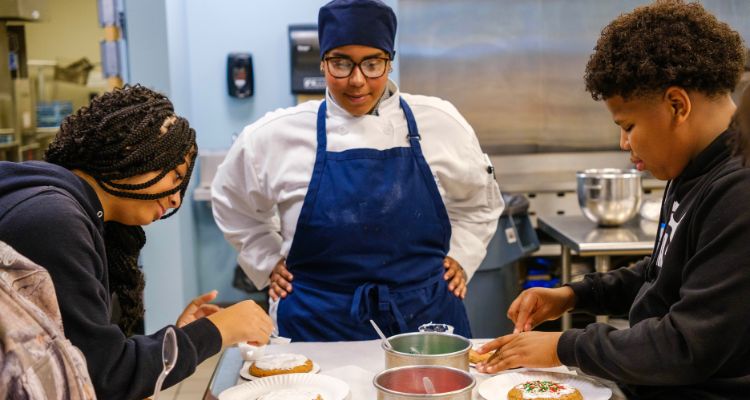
(428,348)
(407,383)
(609,196)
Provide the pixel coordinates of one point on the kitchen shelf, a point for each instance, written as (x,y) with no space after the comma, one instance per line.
(30,146)
(8,145)
(548,250)
(51,130)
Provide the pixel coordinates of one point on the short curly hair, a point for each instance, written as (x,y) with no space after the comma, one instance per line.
(668,43)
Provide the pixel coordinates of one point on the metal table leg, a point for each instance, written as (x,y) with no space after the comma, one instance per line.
(602,264)
(567,321)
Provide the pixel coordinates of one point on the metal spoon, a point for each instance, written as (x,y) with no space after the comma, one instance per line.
(169,358)
(428,386)
(386,343)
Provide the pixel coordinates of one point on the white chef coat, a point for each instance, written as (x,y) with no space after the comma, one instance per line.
(260,187)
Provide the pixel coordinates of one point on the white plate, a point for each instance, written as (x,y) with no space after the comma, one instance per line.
(328,387)
(245,370)
(497,387)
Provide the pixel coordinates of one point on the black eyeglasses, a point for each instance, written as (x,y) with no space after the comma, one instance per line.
(342,67)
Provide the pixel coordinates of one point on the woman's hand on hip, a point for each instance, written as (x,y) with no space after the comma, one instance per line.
(526,349)
(536,305)
(198,308)
(455,276)
(242,322)
(281,281)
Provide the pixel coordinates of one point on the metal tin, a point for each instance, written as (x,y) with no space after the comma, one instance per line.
(406,383)
(428,348)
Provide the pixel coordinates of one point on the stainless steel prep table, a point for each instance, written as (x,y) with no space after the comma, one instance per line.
(577,234)
(332,355)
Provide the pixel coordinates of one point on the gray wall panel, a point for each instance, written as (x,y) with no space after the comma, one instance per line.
(514,68)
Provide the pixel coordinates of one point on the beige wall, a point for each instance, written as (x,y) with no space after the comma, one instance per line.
(69,30)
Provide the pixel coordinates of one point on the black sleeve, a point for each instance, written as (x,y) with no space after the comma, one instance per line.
(704,333)
(609,293)
(52,230)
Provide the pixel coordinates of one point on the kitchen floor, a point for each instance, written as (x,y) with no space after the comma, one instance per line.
(194,387)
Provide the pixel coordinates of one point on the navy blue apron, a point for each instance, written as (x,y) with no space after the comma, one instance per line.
(370,243)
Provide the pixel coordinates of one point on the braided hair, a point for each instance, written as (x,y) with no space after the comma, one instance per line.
(119,135)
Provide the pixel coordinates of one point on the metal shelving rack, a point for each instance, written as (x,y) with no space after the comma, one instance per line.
(14,83)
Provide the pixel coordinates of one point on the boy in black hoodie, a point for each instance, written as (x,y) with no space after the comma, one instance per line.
(122,162)
(665,72)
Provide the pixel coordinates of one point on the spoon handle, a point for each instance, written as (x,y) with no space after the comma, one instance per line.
(159,382)
(169,351)
(382,336)
(428,386)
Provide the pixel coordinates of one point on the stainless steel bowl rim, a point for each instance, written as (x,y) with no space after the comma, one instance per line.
(608,173)
(394,369)
(391,350)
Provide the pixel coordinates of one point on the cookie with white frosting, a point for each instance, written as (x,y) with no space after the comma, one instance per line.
(284,363)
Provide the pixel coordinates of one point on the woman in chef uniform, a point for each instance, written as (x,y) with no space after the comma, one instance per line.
(370,204)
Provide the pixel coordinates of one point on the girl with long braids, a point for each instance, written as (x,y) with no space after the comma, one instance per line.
(122,162)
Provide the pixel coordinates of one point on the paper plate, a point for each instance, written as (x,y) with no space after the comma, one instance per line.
(328,387)
(245,371)
(497,387)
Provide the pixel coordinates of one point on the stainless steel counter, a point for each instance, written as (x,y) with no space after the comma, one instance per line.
(587,239)
(577,234)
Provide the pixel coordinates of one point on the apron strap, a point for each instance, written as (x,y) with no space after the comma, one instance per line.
(320,160)
(416,149)
(362,310)
(321,128)
(411,123)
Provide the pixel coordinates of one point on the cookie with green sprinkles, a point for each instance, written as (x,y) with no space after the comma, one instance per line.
(541,389)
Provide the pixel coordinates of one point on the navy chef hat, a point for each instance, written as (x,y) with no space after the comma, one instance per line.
(360,22)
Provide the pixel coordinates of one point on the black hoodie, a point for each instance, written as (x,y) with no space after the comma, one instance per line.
(54,218)
(689,335)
